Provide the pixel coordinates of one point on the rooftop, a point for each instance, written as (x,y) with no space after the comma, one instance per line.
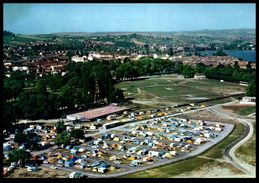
(95,113)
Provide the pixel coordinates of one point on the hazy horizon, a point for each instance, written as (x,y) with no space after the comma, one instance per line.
(98,18)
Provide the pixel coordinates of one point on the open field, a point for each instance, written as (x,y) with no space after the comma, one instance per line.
(23,39)
(247,110)
(175,91)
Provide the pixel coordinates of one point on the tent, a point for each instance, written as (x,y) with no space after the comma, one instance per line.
(102,169)
(82,149)
(131,158)
(7,148)
(74,150)
(167,155)
(173,152)
(112,158)
(114,146)
(116,139)
(135,162)
(76,175)
(69,163)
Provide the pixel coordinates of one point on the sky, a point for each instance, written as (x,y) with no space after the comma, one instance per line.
(52,18)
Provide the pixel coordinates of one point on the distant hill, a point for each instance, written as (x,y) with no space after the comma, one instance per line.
(18,39)
(8,34)
(206,32)
(223,33)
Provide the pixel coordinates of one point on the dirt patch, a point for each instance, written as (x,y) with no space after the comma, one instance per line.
(234,108)
(206,116)
(214,170)
(198,98)
(43,173)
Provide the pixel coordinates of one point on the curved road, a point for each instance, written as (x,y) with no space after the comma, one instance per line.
(229,152)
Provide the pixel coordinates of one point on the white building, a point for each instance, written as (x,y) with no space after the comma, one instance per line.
(248,100)
(79,59)
(199,76)
(155,56)
(22,68)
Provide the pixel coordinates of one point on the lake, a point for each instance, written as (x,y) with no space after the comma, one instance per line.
(246,55)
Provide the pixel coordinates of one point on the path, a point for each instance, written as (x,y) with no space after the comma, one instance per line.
(230,151)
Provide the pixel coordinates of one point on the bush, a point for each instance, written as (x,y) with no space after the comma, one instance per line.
(77,133)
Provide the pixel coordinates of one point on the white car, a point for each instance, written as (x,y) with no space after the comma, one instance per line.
(45,162)
(53,167)
(31,168)
(117,162)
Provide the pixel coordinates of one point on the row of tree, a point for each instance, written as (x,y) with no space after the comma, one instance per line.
(85,85)
(64,137)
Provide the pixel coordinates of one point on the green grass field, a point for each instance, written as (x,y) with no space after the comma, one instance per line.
(178,90)
(246,111)
(171,170)
(23,39)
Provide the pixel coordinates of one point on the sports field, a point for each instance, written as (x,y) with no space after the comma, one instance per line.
(178,91)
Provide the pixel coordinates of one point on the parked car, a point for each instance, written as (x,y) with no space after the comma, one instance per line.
(32,169)
(53,167)
(117,162)
(45,162)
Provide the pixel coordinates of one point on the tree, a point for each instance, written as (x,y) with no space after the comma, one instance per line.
(19,155)
(171,51)
(20,138)
(54,82)
(236,65)
(220,53)
(60,127)
(12,87)
(77,133)
(32,139)
(248,65)
(62,139)
(178,66)
(188,71)
(41,86)
(146,48)
(119,96)
(251,89)
(67,97)
(34,105)
(10,114)
(200,67)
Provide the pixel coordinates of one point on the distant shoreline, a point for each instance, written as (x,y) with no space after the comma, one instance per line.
(246,55)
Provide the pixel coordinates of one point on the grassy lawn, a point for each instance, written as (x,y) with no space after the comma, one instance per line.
(179,93)
(174,90)
(246,111)
(194,163)
(247,152)
(33,37)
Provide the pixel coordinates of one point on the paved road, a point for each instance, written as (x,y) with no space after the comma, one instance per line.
(230,150)
(44,151)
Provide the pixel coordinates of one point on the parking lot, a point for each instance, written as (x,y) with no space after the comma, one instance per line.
(139,146)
